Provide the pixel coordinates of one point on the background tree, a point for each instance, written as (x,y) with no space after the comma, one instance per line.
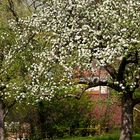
(13,76)
(72,34)
(55,118)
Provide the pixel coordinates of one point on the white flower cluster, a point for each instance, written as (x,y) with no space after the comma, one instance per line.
(65,34)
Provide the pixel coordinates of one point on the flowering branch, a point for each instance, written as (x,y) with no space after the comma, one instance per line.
(93,82)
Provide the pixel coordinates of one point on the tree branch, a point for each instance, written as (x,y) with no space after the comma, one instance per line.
(110,69)
(76,96)
(96,81)
(120,75)
(136,101)
(137,109)
(12,9)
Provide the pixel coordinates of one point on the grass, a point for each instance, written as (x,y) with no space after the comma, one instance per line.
(104,137)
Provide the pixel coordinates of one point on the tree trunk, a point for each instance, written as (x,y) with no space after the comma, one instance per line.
(41,115)
(127,117)
(1,121)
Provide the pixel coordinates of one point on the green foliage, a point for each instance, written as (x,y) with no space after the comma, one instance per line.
(137,93)
(104,137)
(55,118)
(64,116)
(13,73)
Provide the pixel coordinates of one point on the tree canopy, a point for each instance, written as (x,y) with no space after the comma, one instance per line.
(73,34)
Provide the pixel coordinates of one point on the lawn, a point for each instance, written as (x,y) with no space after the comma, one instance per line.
(104,137)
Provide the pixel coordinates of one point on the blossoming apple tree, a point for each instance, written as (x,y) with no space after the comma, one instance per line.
(63,35)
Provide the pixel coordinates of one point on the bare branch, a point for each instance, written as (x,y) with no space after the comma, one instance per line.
(110,69)
(34,5)
(12,10)
(121,70)
(137,109)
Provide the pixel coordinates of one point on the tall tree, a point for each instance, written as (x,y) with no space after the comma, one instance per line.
(66,35)
(12,65)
